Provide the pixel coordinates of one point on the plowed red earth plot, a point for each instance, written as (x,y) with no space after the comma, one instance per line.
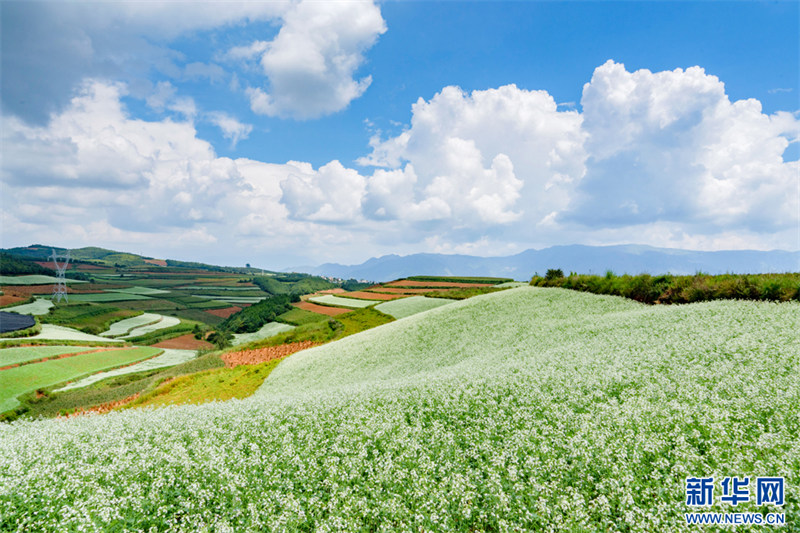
(28,290)
(374,295)
(8,299)
(185,342)
(158,262)
(321,309)
(225,312)
(253,357)
(409,283)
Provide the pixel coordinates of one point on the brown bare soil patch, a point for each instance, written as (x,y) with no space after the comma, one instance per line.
(253,357)
(410,283)
(224,312)
(321,309)
(159,262)
(29,290)
(374,295)
(184,342)
(8,299)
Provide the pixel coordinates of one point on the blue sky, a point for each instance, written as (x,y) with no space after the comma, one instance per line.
(289,133)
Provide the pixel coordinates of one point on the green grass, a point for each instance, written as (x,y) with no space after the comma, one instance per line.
(404,307)
(26,378)
(326,330)
(113,389)
(11,356)
(300,317)
(219,384)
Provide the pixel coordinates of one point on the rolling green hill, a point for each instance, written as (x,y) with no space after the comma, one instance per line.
(528,409)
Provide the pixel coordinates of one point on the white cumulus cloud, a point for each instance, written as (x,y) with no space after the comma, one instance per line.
(312,62)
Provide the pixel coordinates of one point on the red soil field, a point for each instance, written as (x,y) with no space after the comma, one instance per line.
(225,312)
(321,309)
(252,357)
(8,299)
(158,262)
(27,290)
(374,295)
(185,342)
(409,283)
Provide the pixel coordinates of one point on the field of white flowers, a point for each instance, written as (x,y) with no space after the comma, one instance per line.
(527,409)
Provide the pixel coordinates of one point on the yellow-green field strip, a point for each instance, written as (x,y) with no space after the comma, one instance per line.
(27,378)
(23,354)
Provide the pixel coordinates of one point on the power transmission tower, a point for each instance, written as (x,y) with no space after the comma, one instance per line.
(60,288)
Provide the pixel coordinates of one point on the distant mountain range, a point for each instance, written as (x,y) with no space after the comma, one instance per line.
(622,259)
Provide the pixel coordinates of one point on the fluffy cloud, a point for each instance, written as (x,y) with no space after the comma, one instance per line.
(671,147)
(312,61)
(482,159)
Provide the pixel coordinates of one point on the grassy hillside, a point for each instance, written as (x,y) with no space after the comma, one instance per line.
(534,409)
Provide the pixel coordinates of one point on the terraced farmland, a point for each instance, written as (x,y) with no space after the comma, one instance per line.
(24,354)
(526,409)
(267,330)
(61,333)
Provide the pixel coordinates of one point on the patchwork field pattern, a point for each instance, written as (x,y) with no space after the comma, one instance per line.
(168,358)
(320,309)
(27,378)
(479,415)
(329,299)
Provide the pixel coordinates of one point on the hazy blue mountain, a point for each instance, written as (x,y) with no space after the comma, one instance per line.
(630,259)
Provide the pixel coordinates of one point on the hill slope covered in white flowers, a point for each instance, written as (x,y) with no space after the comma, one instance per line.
(539,409)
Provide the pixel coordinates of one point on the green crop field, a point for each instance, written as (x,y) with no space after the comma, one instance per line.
(23,354)
(163,323)
(144,291)
(527,409)
(168,358)
(329,299)
(411,306)
(40,306)
(26,378)
(106,297)
(124,326)
(33,280)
